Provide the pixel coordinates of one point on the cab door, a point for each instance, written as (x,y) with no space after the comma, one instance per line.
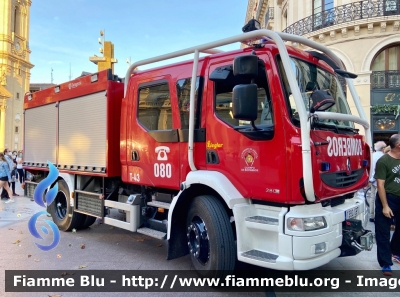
(255,162)
(153,150)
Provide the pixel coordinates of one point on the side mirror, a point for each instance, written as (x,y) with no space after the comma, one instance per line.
(345,74)
(246,66)
(244,102)
(320,101)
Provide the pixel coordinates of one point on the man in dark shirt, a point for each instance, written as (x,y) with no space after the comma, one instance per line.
(387,175)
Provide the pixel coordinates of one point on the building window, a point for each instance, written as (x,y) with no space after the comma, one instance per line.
(385,124)
(154,109)
(17,21)
(386,68)
(323,13)
(16,129)
(17,95)
(322,5)
(387,59)
(391,7)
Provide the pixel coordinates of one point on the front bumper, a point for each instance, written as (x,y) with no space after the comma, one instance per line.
(264,233)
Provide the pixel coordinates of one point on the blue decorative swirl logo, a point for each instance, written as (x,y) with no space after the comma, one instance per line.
(49,198)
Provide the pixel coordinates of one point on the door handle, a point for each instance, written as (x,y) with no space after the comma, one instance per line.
(135,155)
(212,157)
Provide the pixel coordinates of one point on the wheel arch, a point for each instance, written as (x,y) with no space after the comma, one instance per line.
(69,179)
(198,183)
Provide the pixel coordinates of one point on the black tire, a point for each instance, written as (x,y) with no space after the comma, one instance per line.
(209,233)
(89,221)
(61,211)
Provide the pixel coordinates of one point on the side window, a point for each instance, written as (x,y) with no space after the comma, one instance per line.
(183,91)
(223,103)
(155,111)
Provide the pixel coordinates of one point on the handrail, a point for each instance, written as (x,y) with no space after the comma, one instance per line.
(342,14)
(278,38)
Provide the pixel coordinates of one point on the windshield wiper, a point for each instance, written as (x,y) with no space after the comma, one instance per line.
(334,127)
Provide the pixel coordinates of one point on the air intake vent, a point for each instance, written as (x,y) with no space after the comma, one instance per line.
(342,179)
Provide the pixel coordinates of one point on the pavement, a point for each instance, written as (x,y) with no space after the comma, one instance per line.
(103,247)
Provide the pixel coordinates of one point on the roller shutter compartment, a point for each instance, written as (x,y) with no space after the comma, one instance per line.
(83,132)
(40,135)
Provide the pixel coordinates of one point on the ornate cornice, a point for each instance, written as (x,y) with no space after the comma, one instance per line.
(14,58)
(6,38)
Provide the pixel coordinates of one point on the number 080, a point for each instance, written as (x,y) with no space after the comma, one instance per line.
(162,170)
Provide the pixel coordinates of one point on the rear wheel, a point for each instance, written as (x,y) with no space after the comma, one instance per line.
(210,238)
(61,210)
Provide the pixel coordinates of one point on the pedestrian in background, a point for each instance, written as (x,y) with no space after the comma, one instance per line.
(11,166)
(20,170)
(5,176)
(379,147)
(392,227)
(14,174)
(387,175)
(14,157)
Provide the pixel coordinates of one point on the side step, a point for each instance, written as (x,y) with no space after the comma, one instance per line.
(260,256)
(159,204)
(152,233)
(132,215)
(262,223)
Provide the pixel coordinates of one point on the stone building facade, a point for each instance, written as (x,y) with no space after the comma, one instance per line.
(365,35)
(14,70)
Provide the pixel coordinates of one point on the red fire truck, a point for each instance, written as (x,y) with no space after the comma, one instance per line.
(251,154)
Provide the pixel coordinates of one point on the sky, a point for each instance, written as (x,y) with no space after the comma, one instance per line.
(64,34)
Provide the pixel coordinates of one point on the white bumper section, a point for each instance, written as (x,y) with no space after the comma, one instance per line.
(263,238)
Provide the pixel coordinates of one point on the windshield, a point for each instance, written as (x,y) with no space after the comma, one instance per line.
(310,78)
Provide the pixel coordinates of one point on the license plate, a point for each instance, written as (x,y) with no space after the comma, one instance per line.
(352,212)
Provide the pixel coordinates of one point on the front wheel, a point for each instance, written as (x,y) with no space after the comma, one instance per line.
(210,238)
(61,210)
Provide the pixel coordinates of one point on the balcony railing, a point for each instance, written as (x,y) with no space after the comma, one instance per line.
(343,14)
(269,15)
(385,79)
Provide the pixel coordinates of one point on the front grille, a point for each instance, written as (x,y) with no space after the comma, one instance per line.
(341,179)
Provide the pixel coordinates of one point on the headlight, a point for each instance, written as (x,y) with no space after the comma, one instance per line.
(306,224)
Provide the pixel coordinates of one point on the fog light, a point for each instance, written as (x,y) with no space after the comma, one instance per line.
(320,248)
